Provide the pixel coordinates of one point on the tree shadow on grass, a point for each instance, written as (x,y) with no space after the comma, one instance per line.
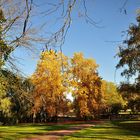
(110,132)
(128,125)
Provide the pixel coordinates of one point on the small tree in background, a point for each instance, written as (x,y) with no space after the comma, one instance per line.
(113,101)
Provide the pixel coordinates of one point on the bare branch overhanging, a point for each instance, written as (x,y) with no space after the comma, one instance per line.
(19,29)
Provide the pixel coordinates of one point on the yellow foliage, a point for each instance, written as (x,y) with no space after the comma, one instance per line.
(110,94)
(5,102)
(48,80)
(86,84)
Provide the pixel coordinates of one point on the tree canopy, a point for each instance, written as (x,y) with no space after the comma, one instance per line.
(87,86)
(129,55)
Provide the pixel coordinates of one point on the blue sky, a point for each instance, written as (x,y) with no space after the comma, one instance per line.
(96,43)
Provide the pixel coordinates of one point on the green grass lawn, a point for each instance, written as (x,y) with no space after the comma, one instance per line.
(126,130)
(27,130)
(108,131)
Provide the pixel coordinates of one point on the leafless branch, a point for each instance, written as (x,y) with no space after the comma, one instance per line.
(19,14)
(123,9)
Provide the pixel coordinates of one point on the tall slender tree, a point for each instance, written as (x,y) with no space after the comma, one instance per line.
(87,86)
(49,82)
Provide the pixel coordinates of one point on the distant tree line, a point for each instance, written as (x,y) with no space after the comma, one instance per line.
(43,96)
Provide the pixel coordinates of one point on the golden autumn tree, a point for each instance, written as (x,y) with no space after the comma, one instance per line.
(112,99)
(49,81)
(86,86)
